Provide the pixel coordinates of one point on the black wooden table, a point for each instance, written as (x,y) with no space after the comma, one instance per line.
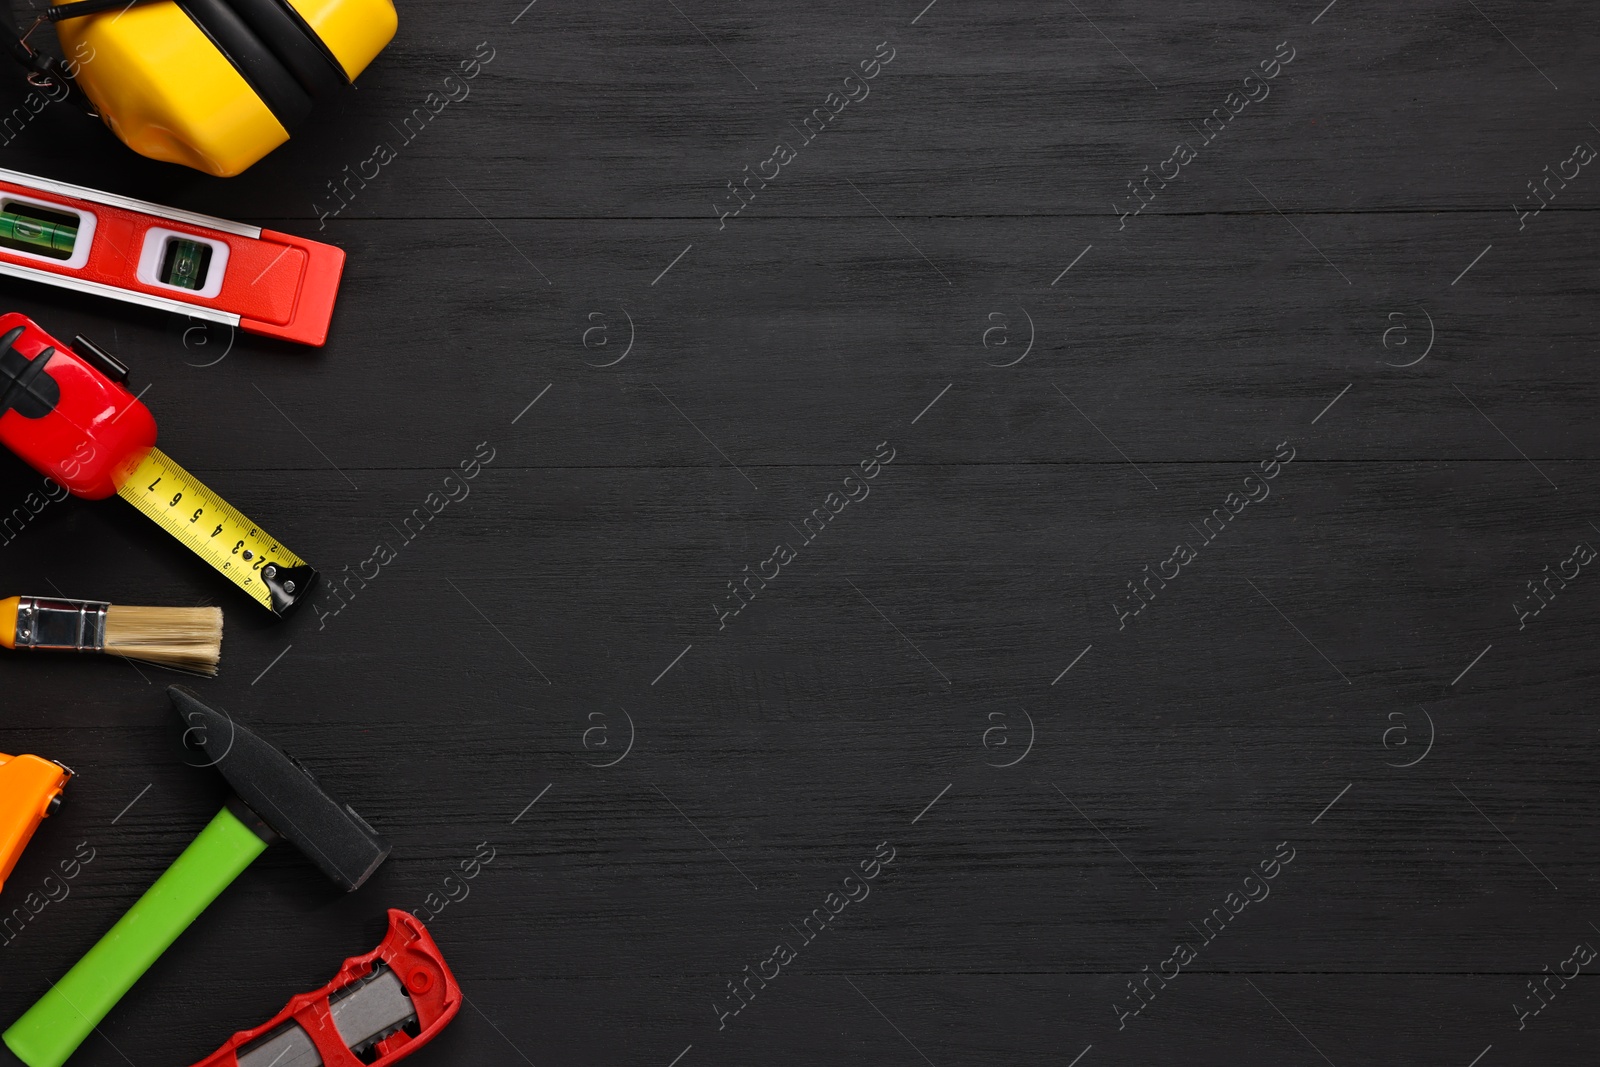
(1004,537)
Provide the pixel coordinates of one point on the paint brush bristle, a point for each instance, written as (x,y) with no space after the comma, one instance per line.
(188,639)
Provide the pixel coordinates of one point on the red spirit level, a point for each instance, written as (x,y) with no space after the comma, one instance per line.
(378,1009)
(69,414)
(207,268)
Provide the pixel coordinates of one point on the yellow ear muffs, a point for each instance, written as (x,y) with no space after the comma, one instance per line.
(294,44)
(217,84)
(252,59)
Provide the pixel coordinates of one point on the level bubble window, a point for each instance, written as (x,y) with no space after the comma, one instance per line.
(26,227)
(183,262)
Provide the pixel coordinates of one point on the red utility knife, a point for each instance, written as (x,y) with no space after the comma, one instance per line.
(378,1009)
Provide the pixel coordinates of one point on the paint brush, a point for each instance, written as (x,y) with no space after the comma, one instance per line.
(188,639)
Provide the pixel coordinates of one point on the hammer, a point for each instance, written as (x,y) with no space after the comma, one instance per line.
(274,797)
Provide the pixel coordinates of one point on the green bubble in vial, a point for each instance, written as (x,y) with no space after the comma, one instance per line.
(45,236)
(186,264)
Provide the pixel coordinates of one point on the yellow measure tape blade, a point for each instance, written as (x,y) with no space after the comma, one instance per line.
(215,530)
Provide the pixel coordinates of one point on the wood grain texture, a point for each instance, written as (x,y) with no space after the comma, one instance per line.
(1068,396)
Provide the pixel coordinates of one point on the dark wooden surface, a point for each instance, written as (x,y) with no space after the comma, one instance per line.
(1313,649)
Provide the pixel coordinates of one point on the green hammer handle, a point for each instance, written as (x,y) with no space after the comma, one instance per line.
(54,1027)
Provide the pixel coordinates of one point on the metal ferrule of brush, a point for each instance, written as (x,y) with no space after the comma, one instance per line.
(61,625)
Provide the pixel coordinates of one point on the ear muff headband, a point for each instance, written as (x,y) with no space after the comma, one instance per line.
(254,61)
(167,95)
(295,44)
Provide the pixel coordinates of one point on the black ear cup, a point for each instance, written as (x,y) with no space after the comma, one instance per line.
(261,69)
(295,44)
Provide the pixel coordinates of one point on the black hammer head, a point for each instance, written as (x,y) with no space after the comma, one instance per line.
(283,794)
